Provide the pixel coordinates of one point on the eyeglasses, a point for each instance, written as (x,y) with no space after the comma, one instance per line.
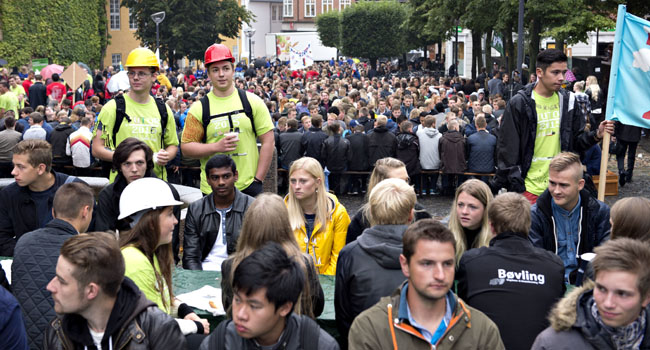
(139,74)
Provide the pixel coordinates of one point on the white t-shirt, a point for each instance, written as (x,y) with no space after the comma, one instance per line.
(97,338)
(219,251)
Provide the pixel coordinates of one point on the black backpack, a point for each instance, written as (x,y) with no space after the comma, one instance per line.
(309,334)
(247,109)
(120,114)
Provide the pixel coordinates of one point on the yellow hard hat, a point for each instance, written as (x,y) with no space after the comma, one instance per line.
(142,57)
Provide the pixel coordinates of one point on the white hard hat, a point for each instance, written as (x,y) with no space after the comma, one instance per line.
(145,193)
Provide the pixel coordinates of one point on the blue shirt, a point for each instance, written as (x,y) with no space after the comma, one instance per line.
(567,231)
(404,313)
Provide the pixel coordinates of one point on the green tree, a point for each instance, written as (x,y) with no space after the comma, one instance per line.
(373,29)
(63,31)
(328,25)
(190,26)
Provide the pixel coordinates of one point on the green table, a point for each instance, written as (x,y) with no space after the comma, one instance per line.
(185,281)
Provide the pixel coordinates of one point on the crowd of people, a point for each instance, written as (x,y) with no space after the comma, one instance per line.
(96,272)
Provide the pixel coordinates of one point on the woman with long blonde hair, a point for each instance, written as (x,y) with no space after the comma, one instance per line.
(468,220)
(319,222)
(270,209)
(596,98)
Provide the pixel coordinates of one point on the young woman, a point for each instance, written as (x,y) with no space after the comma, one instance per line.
(319,222)
(147,205)
(385,168)
(270,209)
(468,220)
(629,218)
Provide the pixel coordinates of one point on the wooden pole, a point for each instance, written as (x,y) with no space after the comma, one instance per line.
(74,82)
(604,156)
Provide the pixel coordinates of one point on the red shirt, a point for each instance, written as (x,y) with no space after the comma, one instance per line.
(311,74)
(26,84)
(56,91)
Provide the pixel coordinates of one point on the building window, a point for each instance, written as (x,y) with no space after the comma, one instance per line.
(133,22)
(310,8)
(116,58)
(288,8)
(115,14)
(275,13)
(328,5)
(344,3)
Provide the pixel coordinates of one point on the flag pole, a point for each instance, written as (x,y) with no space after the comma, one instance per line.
(604,156)
(611,91)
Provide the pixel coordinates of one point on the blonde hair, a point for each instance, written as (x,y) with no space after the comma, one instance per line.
(479,190)
(323,206)
(566,160)
(270,209)
(592,84)
(509,212)
(391,202)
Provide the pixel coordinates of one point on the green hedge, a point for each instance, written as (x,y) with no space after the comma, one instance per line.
(61,30)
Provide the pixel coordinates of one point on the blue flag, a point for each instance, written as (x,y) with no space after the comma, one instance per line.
(628,99)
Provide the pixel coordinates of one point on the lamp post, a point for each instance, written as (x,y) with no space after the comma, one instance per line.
(520,39)
(158,17)
(249,33)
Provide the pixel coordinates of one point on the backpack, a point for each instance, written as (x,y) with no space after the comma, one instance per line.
(309,334)
(120,114)
(248,110)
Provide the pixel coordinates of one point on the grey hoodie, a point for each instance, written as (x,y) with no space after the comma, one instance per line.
(429,154)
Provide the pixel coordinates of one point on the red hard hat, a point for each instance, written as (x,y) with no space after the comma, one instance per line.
(216,53)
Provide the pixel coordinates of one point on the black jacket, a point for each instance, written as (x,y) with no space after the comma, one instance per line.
(367,270)
(202,225)
(627,133)
(18,213)
(381,144)
(360,222)
(452,152)
(312,141)
(37,95)
(335,153)
(34,266)
(480,152)
(367,123)
(507,276)
(290,147)
(359,152)
(594,223)
(517,136)
(408,151)
(58,139)
(136,323)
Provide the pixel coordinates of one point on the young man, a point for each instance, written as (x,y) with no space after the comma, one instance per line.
(142,117)
(313,138)
(424,312)
(540,122)
(381,142)
(37,92)
(611,313)
(359,159)
(408,151)
(511,273)
(267,285)
(26,204)
(55,90)
(98,307)
(78,146)
(212,224)
(335,153)
(222,126)
(9,138)
(8,99)
(429,138)
(452,155)
(566,219)
(480,149)
(36,130)
(12,327)
(36,254)
(368,268)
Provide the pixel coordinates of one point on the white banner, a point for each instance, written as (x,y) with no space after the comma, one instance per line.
(300,59)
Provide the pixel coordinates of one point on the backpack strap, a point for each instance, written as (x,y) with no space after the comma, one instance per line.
(162,110)
(120,114)
(309,333)
(69,179)
(207,117)
(218,338)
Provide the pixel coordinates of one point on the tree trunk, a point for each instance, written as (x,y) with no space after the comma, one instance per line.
(510,50)
(476,53)
(488,49)
(535,39)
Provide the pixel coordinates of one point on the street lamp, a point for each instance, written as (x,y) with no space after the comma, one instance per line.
(249,33)
(157,18)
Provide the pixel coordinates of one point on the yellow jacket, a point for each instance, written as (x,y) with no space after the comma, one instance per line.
(325,246)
